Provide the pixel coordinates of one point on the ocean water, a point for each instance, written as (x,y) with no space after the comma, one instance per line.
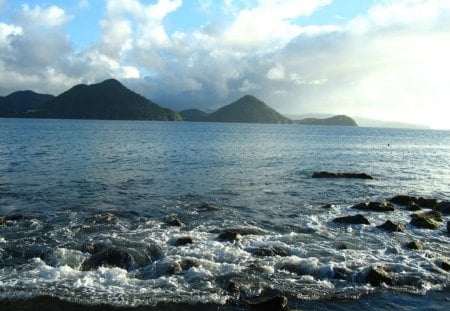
(72,188)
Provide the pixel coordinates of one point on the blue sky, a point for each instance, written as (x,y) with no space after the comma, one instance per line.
(381,59)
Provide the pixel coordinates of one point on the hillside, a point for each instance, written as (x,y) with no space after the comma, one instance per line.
(106,100)
(193,115)
(247,109)
(22,102)
(340,120)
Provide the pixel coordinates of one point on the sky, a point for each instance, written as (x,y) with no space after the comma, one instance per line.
(380,59)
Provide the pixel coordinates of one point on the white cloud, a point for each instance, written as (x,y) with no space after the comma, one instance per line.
(276,73)
(248,86)
(38,16)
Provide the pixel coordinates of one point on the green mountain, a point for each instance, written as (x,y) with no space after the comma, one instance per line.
(106,100)
(247,109)
(341,120)
(193,115)
(22,102)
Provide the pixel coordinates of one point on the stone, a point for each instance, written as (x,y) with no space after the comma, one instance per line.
(392,227)
(353,220)
(229,235)
(443,207)
(110,257)
(175,222)
(425,223)
(445,265)
(448,226)
(270,251)
(427,203)
(342,246)
(183,241)
(435,215)
(2,221)
(413,206)
(328,206)
(377,275)
(414,245)
(403,199)
(341,175)
(276,303)
(375,206)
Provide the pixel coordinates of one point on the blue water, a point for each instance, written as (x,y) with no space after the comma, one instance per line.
(65,175)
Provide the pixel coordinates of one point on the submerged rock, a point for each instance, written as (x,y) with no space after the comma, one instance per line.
(403,200)
(110,257)
(353,220)
(414,245)
(341,175)
(425,223)
(183,241)
(412,206)
(375,206)
(377,275)
(392,227)
(328,206)
(435,215)
(448,226)
(174,221)
(270,251)
(2,221)
(229,235)
(445,265)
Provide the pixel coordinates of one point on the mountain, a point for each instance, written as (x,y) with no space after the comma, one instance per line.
(22,102)
(106,100)
(193,115)
(336,120)
(247,109)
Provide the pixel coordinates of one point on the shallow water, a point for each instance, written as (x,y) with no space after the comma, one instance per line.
(68,187)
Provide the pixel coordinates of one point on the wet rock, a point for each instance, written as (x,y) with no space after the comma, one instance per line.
(445,265)
(403,199)
(111,257)
(207,207)
(342,246)
(278,302)
(342,273)
(186,264)
(375,206)
(183,241)
(353,220)
(392,227)
(233,287)
(414,245)
(413,206)
(328,206)
(435,215)
(377,275)
(2,221)
(174,221)
(443,207)
(17,217)
(448,226)
(341,175)
(229,235)
(427,203)
(270,251)
(240,231)
(105,218)
(425,222)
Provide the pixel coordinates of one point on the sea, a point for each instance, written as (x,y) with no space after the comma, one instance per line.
(132,215)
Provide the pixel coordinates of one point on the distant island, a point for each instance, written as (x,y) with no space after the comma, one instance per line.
(111,100)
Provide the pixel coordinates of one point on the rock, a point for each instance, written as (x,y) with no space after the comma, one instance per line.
(273,304)
(2,221)
(445,265)
(377,275)
(414,245)
(233,287)
(427,203)
(105,218)
(435,215)
(208,207)
(17,217)
(375,206)
(443,207)
(241,231)
(173,221)
(353,220)
(448,226)
(342,246)
(425,223)
(392,227)
(110,257)
(229,235)
(342,273)
(270,251)
(328,206)
(341,175)
(186,264)
(183,241)
(412,206)
(403,199)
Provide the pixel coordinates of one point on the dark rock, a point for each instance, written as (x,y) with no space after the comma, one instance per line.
(173,268)
(375,206)
(448,226)
(241,231)
(414,245)
(445,265)
(270,251)
(392,227)
(111,257)
(274,303)
(186,264)
(105,218)
(403,199)
(208,207)
(353,220)
(233,287)
(341,273)
(377,275)
(425,223)
(412,206)
(17,217)
(328,206)
(183,241)
(435,215)
(443,207)
(229,235)
(427,203)
(2,221)
(342,246)
(341,175)
(173,221)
